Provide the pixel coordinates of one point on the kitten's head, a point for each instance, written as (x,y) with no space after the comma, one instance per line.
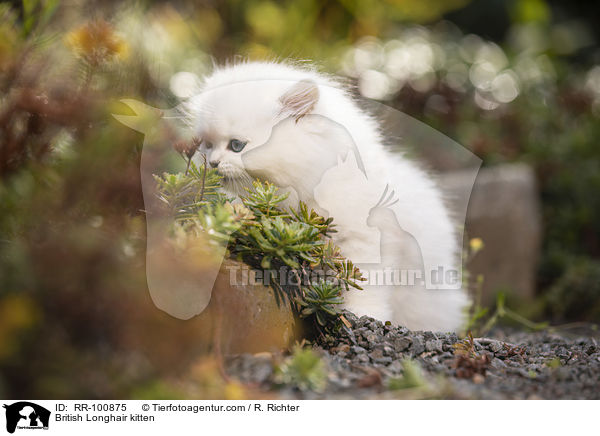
(239,107)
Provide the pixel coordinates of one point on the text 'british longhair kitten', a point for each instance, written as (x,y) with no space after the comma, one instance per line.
(301,131)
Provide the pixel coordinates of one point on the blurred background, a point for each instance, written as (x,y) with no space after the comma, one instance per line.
(515,82)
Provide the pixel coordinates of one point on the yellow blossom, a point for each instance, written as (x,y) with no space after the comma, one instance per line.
(476,244)
(96,42)
(8,38)
(17,313)
(235,391)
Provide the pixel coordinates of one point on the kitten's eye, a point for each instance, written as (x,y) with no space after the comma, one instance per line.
(208,144)
(236,145)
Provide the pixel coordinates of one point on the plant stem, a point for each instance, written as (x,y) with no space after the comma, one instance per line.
(203,178)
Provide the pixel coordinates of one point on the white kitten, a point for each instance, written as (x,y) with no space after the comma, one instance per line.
(300,130)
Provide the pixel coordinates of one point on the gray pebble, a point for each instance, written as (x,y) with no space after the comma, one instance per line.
(417,346)
(402,344)
(434,345)
(358,350)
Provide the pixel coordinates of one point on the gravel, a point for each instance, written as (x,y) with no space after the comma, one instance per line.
(369,360)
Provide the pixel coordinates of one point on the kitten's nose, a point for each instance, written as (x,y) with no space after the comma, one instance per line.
(214,163)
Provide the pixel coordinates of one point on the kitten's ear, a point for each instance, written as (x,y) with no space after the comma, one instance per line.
(300,99)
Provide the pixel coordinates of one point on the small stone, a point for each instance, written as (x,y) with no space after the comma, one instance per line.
(363,321)
(352,319)
(402,344)
(383,360)
(375,325)
(370,379)
(358,350)
(363,358)
(446,355)
(263,372)
(498,363)
(344,348)
(377,354)
(373,339)
(478,379)
(417,346)
(434,345)
(395,367)
(362,331)
(429,335)
(495,347)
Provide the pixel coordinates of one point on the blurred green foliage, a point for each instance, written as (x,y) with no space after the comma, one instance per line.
(412,377)
(303,370)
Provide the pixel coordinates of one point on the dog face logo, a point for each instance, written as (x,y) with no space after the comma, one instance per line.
(26,415)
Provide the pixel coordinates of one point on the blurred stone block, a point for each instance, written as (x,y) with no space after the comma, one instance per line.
(504,211)
(241,318)
(252,320)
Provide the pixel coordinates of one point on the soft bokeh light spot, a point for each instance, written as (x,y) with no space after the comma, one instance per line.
(482,74)
(592,82)
(368,54)
(423,82)
(491,53)
(374,84)
(484,102)
(456,76)
(469,46)
(505,87)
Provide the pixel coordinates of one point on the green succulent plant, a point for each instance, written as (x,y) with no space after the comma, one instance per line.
(312,218)
(303,370)
(261,233)
(321,300)
(185,194)
(264,200)
(289,241)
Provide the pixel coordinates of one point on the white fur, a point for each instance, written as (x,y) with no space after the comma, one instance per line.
(303,154)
